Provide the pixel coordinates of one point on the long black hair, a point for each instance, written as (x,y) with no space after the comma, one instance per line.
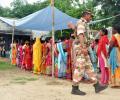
(105,31)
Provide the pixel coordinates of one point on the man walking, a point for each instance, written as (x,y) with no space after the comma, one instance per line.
(81,60)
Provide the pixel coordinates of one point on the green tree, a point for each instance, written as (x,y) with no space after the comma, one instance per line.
(5,12)
(22,8)
(108,9)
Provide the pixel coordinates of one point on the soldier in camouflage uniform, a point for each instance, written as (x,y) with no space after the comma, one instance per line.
(81,60)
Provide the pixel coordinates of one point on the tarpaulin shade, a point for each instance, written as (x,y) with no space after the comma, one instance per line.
(42,20)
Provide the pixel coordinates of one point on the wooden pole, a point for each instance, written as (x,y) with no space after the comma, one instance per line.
(53,32)
(13,31)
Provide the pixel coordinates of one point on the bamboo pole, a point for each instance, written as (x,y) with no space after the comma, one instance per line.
(13,32)
(53,32)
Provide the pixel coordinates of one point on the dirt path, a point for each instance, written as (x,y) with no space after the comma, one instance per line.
(17,84)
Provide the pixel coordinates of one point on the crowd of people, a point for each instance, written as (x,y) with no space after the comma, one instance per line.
(25,56)
(101,52)
(38,57)
(75,58)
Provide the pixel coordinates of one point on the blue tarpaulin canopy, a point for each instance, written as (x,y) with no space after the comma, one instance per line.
(8,20)
(42,20)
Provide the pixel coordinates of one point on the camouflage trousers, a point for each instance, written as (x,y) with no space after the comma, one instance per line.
(83,68)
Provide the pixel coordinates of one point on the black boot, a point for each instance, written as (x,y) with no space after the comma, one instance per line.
(99,88)
(76,91)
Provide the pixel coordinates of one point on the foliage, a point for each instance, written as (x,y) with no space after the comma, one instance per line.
(108,9)
(5,12)
(22,9)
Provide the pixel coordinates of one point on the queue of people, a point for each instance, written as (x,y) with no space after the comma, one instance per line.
(38,57)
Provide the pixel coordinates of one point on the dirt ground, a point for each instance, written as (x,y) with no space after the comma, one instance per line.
(17,84)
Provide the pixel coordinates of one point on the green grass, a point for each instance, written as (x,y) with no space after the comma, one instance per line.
(6,65)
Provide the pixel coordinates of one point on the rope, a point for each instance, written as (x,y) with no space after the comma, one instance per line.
(94,22)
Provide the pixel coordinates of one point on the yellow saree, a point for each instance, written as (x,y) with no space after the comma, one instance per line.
(115,77)
(37,56)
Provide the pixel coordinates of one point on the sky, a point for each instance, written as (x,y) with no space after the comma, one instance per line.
(6,3)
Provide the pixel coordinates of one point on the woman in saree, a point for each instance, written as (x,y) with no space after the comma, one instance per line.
(56,60)
(13,54)
(44,51)
(48,61)
(19,55)
(28,57)
(23,53)
(114,53)
(102,53)
(37,56)
(93,54)
(68,43)
(62,59)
